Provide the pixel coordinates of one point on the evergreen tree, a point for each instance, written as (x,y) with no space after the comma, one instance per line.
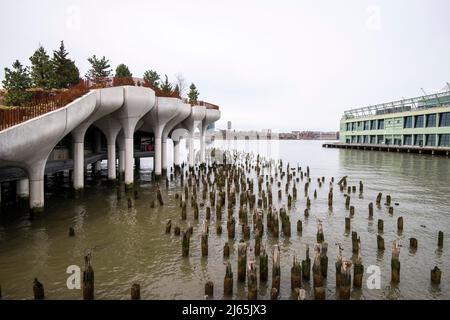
(152,77)
(166,86)
(16,83)
(41,69)
(65,71)
(100,70)
(176,91)
(193,94)
(122,71)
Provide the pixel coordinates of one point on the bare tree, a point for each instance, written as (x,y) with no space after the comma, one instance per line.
(182,84)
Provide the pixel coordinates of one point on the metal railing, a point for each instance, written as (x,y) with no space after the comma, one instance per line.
(12,116)
(428,101)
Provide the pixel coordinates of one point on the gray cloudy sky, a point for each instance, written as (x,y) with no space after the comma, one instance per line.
(285,64)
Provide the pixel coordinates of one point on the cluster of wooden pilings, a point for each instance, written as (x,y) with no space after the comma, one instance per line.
(240,190)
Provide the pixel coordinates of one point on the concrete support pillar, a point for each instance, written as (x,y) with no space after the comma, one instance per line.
(78,165)
(202,146)
(176,153)
(158,156)
(23,188)
(129,162)
(121,141)
(164,154)
(112,161)
(191,150)
(36,188)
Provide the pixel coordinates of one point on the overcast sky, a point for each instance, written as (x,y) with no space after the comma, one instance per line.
(285,65)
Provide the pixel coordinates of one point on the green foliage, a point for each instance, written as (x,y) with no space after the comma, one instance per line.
(42,73)
(166,86)
(152,77)
(193,94)
(65,72)
(122,71)
(176,91)
(16,82)
(99,71)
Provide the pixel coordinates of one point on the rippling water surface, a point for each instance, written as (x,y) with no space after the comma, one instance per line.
(129,245)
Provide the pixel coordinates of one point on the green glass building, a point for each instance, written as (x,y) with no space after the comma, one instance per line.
(422,121)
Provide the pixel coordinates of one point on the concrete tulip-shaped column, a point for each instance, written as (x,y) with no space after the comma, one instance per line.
(157,118)
(212,115)
(108,101)
(184,109)
(137,102)
(35,139)
(194,121)
(110,128)
(176,135)
(23,188)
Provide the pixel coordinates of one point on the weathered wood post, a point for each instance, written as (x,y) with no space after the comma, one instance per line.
(400,224)
(185,243)
(231,226)
(338,264)
(347,223)
(159,197)
(395,262)
(204,239)
(436,275)
(330,198)
(388,200)
(226,250)
(252,282)
(371,210)
(209,289)
(183,210)
(228,280)
(71,232)
(413,244)
(317,270)
(88,278)
(263,265)
(276,270)
(380,243)
(355,242)
(306,265)
(320,237)
(38,290)
(346,280)
(440,239)
(358,268)
(242,261)
(296,275)
(378,201)
(130,203)
(177,231)
(168,226)
(380,225)
(347,202)
(135,291)
(352,211)
(324,259)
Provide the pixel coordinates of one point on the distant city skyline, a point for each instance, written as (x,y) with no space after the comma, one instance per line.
(285,65)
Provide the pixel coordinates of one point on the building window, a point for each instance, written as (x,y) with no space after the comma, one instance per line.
(359,139)
(388,141)
(418,139)
(373,139)
(431,120)
(373,124)
(381,124)
(353,126)
(407,122)
(367,125)
(430,140)
(444,140)
(366,139)
(353,139)
(418,122)
(444,119)
(407,139)
(380,139)
(397,141)
(347,126)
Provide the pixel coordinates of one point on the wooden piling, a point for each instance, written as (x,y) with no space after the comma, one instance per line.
(228,281)
(324,259)
(296,275)
(263,265)
(242,261)
(88,278)
(380,225)
(209,289)
(38,290)
(436,275)
(400,224)
(395,262)
(159,197)
(440,239)
(276,270)
(316,268)
(346,280)
(380,243)
(226,250)
(413,244)
(204,239)
(252,282)
(347,223)
(135,291)
(306,265)
(71,232)
(168,225)
(378,201)
(371,210)
(185,243)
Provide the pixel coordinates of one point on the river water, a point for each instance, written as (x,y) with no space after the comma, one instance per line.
(130,245)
